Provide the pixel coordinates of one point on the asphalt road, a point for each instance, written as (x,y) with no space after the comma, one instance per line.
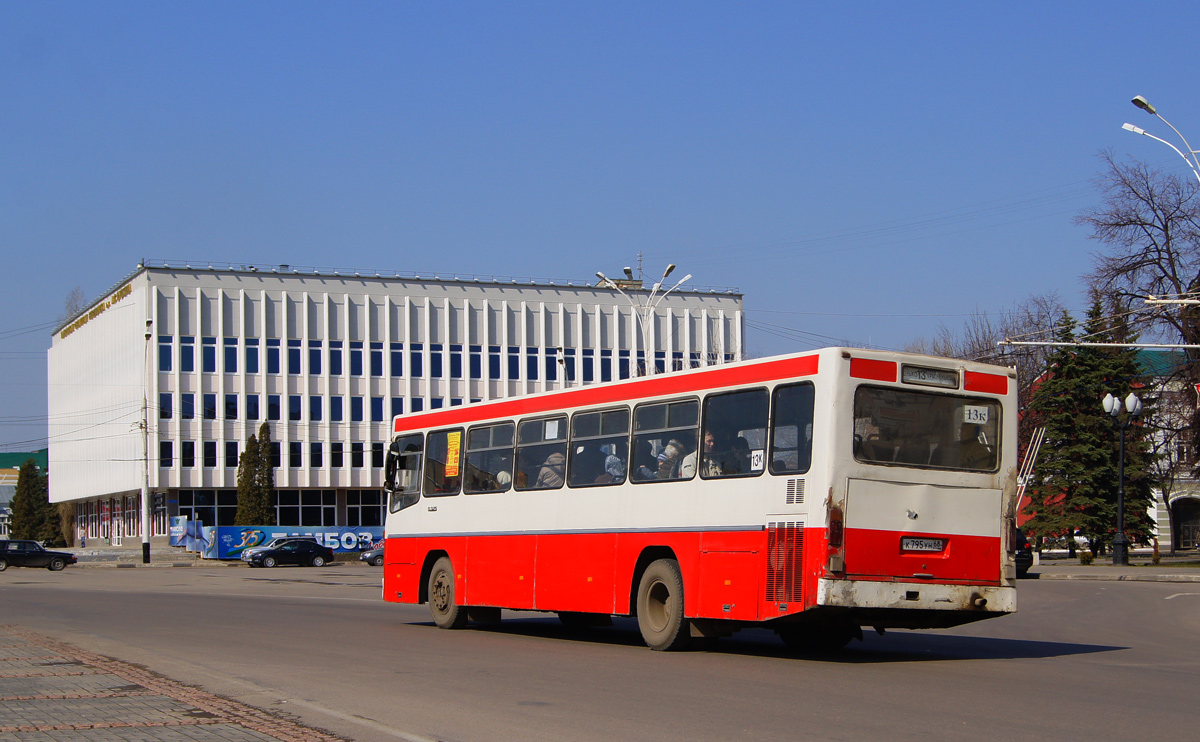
(1081,660)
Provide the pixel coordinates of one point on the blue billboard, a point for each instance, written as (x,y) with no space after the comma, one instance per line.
(231,541)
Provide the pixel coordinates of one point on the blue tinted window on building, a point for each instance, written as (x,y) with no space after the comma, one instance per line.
(377,359)
(314,408)
(356,359)
(397,350)
(231,354)
(294,407)
(415,365)
(209,356)
(251,355)
(272,356)
(251,406)
(356,409)
(335,357)
(273,407)
(231,406)
(435,360)
(166,454)
(187,354)
(164,352)
(376,409)
(210,407)
(293,357)
(314,357)
(335,409)
(164,406)
(187,406)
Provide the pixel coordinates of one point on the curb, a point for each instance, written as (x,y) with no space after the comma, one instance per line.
(1121,578)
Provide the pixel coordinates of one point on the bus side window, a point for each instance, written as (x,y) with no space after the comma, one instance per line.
(541,454)
(792,429)
(443,462)
(735,435)
(664,436)
(403,472)
(599,447)
(489,460)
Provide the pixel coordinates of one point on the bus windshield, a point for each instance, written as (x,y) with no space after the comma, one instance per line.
(926,429)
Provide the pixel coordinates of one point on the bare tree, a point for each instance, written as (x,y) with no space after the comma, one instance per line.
(1149,223)
(978,340)
(74,304)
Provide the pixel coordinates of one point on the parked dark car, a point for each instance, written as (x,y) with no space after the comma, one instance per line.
(374,556)
(1023,554)
(17,553)
(301,553)
(272,544)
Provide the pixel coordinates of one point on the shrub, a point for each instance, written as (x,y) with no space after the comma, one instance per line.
(1086,556)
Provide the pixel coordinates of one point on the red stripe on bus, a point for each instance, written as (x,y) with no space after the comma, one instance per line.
(869,368)
(738,575)
(973,381)
(642,388)
(875,554)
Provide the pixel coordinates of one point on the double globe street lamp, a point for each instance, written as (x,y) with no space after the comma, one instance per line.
(1133,407)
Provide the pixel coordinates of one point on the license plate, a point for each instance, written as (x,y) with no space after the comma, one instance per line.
(922,544)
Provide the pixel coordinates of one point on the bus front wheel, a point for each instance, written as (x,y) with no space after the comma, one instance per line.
(660,607)
(446,614)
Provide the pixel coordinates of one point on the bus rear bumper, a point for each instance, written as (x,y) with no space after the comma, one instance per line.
(913,604)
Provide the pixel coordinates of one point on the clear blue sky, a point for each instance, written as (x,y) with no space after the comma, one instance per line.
(863,172)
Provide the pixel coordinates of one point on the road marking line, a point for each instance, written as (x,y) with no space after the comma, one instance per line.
(1179,595)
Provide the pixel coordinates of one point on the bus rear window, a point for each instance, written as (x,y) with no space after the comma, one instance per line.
(926,429)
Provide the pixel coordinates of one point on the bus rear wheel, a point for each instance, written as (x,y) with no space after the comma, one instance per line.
(660,607)
(446,614)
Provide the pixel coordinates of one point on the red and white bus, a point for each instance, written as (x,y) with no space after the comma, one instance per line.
(813,494)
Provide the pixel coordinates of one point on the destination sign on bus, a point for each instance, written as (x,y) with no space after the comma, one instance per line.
(929,377)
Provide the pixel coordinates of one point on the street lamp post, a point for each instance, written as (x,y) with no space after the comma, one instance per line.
(1190,157)
(1112,406)
(644,310)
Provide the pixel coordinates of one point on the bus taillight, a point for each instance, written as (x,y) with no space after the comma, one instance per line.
(834,535)
(835,532)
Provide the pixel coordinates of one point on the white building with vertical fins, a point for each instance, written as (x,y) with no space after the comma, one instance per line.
(199,356)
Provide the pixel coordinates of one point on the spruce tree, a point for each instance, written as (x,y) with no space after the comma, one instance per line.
(249,510)
(1076,477)
(1061,462)
(28,503)
(256,481)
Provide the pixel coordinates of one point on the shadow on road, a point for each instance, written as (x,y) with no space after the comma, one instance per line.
(895,646)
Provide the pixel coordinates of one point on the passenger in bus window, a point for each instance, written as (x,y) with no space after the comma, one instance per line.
(646,464)
(614,466)
(670,459)
(973,454)
(550,476)
(710,464)
(738,461)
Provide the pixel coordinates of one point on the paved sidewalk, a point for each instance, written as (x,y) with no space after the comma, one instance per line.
(54,692)
(1177,569)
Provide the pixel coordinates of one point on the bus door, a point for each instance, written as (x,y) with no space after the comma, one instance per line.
(930,502)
